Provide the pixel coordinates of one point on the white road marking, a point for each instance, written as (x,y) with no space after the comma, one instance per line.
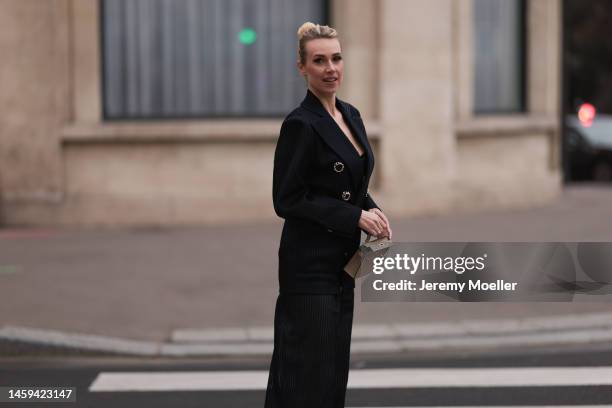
(367,378)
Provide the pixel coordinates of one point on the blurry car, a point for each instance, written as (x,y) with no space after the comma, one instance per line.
(588,148)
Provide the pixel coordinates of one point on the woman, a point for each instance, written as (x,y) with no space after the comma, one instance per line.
(322,166)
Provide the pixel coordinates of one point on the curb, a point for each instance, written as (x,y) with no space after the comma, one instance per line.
(466,335)
(15,341)
(415,330)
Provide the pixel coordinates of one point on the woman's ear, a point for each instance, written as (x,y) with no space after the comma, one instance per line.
(300,68)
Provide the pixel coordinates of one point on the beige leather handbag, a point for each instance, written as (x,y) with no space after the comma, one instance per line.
(371,248)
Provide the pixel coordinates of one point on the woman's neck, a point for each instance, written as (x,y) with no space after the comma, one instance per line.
(328,101)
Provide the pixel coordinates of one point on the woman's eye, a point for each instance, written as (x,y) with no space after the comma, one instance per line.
(338,58)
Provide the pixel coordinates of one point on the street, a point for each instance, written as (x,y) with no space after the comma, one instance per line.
(578,377)
(167,295)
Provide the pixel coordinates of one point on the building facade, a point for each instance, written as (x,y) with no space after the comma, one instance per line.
(460,98)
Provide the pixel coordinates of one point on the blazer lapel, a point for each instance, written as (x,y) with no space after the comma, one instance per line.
(329,130)
(331,133)
(358,129)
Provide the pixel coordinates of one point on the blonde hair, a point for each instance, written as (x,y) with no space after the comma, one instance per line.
(310,31)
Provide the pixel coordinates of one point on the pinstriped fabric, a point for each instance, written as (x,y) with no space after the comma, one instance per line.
(310,362)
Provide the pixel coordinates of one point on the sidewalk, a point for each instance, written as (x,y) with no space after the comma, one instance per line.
(145,284)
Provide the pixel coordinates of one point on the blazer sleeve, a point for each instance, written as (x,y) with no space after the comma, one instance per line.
(293,160)
(369,203)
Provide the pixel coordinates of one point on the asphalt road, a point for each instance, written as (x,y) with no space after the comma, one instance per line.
(479,378)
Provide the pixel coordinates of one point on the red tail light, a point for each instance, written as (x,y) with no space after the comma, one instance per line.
(586,114)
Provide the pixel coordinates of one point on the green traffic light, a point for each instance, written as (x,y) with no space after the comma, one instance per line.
(247,36)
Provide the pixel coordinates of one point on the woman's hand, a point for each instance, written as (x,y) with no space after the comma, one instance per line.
(372,223)
(387,232)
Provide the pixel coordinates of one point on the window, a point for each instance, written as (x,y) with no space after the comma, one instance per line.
(202,58)
(499,57)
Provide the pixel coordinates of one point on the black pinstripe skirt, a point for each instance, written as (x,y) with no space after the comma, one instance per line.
(312,342)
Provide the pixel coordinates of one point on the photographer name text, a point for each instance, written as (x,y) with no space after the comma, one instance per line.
(410,285)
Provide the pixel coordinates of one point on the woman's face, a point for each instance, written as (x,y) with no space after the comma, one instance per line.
(324,65)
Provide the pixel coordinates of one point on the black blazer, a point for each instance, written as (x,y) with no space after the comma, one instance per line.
(314,191)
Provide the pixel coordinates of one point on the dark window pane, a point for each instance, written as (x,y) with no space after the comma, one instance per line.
(202,58)
(499,56)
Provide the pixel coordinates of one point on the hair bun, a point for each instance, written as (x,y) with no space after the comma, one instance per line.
(304,28)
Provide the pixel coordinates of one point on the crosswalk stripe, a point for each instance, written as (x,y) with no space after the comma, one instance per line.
(363,378)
